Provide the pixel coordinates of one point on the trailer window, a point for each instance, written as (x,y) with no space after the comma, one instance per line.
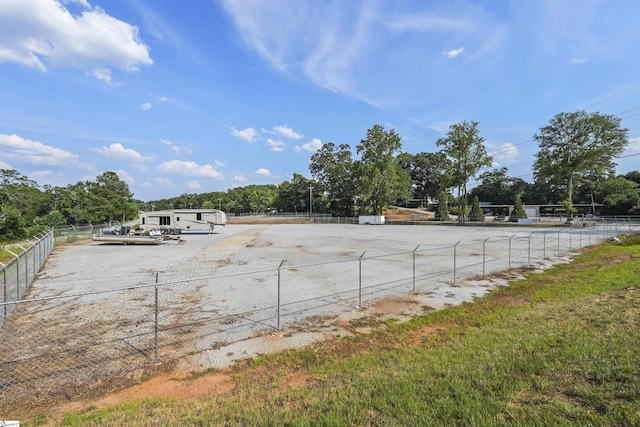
(165,220)
(177,219)
(199,216)
(143,218)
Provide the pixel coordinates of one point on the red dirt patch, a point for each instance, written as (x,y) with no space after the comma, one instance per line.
(169,385)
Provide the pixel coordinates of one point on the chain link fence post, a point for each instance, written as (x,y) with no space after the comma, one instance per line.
(360,280)
(510,250)
(414,269)
(455,248)
(155,322)
(278,313)
(484,256)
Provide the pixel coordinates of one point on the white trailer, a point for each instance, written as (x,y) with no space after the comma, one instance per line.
(183,220)
(371,219)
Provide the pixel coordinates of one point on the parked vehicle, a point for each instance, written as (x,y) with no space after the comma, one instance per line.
(183,220)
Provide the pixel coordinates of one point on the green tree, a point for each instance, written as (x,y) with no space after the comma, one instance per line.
(208,204)
(382,179)
(476,213)
(497,187)
(442,213)
(518,210)
(293,195)
(620,196)
(333,170)
(577,145)
(464,147)
(428,173)
(110,198)
(21,201)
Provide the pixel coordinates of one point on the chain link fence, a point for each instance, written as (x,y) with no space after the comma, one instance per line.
(75,345)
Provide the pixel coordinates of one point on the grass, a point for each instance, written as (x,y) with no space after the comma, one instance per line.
(559,348)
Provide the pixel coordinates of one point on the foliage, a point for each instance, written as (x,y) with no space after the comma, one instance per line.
(297,194)
(442,213)
(334,171)
(498,188)
(428,173)
(576,148)
(620,196)
(464,147)
(382,180)
(476,213)
(110,199)
(518,211)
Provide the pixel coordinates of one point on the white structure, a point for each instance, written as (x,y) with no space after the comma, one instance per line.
(371,219)
(183,220)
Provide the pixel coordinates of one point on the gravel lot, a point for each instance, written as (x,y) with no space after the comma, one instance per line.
(221,297)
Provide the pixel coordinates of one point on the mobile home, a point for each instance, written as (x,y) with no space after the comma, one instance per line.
(183,220)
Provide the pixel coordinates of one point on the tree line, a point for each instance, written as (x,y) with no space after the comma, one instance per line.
(575,164)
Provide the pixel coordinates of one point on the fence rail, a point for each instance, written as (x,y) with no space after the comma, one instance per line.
(67,345)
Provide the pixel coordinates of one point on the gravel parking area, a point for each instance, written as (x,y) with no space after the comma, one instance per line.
(246,289)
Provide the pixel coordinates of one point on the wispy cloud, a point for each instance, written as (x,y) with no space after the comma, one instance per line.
(179,167)
(453,53)
(287,132)
(277,146)
(248,134)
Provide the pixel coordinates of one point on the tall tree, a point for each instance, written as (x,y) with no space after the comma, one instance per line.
(428,173)
(575,145)
(382,179)
(110,198)
(294,195)
(497,187)
(333,170)
(464,147)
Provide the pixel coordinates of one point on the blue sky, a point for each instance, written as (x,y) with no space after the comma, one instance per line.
(194,96)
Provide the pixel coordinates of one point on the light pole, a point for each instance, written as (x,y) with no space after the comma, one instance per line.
(310,199)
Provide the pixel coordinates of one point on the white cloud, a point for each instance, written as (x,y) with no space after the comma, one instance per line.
(124,175)
(440,127)
(166,183)
(193,185)
(5,165)
(507,153)
(43,33)
(263,172)
(25,151)
(175,148)
(179,167)
(634,145)
(312,146)
(218,163)
(119,152)
(240,178)
(163,99)
(248,134)
(103,74)
(287,132)
(277,146)
(453,53)
(146,106)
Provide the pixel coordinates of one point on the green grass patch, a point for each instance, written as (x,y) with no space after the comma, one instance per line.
(558,348)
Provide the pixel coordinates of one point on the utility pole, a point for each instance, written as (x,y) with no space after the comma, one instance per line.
(310,199)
